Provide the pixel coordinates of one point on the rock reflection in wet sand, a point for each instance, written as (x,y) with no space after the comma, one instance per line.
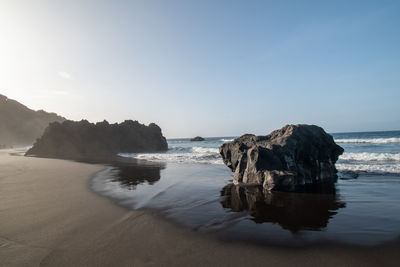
(292,211)
(130,173)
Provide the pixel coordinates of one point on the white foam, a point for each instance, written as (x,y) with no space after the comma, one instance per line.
(365,156)
(192,155)
(205,150)
(371,141)
(226,140)
(372,168)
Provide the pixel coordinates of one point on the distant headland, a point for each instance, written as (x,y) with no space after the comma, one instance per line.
(21,125)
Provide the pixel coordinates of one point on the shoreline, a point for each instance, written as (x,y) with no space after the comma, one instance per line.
(109,184)
(50,216)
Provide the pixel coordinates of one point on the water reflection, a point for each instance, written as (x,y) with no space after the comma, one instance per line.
(129,173)
(190,195)
(292,211)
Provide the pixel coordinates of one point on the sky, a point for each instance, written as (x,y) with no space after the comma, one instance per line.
(209,68)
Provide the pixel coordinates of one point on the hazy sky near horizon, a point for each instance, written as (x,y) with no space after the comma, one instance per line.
(210,68)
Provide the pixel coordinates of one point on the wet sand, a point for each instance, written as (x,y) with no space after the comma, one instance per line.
(50,217)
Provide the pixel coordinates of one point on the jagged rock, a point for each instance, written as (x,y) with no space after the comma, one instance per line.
(86,141)
(197,139)
(287,159)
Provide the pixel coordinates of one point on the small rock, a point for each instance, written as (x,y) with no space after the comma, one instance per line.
(197,139)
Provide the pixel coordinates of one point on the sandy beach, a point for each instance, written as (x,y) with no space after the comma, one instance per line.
(50,217)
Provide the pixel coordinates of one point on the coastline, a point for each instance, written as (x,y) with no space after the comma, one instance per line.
(50,217)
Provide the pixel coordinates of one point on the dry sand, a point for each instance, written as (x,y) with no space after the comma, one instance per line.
(49,217)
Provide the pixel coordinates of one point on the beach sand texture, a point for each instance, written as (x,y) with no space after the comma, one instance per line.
(50,217)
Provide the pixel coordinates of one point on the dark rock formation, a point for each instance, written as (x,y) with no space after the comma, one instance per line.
(197,139)
(20,125)
(87,141)
(286,159)
(292,211)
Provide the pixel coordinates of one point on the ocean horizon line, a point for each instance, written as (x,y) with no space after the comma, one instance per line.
(234,136)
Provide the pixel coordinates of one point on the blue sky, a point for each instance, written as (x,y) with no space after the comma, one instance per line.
(211,68)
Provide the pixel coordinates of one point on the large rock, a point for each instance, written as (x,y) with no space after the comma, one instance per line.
(287,159)
(87,141)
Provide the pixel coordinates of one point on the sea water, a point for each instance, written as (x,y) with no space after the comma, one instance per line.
(190,185)
(372,152)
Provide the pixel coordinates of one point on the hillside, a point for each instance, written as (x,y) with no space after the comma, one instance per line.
(20,125)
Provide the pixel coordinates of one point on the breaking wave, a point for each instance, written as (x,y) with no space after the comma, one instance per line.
(369,162)
(226,140)
(365,156)
(370,141)
(182,155)
(370,168)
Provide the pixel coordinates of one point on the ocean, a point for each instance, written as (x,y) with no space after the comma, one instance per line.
(372,152)
(190,186)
